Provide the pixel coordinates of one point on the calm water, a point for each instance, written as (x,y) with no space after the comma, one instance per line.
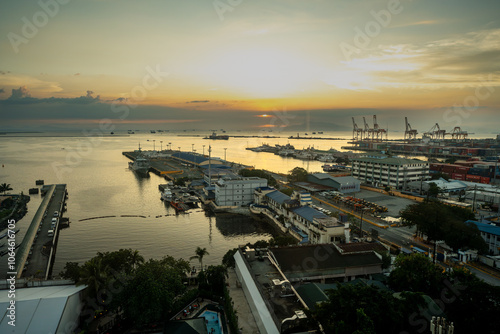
(100,184)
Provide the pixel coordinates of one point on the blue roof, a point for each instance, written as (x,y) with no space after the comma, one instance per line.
(278,196)
(309,213)
(486,228)
(194,158)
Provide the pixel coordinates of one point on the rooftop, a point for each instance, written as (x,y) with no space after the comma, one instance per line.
(391,161)
(309,213)
(361,247)
(320,260)
(486,228)
(278,196)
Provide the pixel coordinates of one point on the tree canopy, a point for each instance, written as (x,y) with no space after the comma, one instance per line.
(439,221)
(298,174)
(271,181)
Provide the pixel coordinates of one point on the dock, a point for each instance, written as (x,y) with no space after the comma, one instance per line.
(36,253)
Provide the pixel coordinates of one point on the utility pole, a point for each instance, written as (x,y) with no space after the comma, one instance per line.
(209,166)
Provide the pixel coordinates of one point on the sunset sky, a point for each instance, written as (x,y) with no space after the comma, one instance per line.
(250,65)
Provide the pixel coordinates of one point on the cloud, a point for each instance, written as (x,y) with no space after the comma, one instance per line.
(22,95)
(199,101)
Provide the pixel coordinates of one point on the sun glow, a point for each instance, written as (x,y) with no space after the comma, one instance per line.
(262,72)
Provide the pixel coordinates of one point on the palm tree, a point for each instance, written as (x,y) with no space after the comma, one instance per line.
(200,253)
(4,187)
(94,276)
(136,259)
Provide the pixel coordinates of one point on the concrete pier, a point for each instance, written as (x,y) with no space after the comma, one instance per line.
(35,256)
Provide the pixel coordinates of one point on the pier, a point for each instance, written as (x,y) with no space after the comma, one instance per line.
(35,256)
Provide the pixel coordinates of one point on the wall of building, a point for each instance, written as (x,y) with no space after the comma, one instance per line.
(379,173)
(237,192)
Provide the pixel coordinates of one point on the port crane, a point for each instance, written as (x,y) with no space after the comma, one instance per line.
(377,132)
(435,132)
(367,131)
(357,133)
(458,133)
(410,134)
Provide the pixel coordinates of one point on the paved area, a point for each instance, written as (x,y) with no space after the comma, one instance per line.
(246,321)
(394,204)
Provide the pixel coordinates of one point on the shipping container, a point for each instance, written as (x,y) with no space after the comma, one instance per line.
(485,180)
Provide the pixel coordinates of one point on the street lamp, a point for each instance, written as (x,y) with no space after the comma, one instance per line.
(161,145)
(170,146)
(203,150)
(225,148)
(154,147)
(179,148)
(192,147)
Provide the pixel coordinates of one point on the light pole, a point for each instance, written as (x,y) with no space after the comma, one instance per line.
(203,150)
(154,146)
(170,146)
(161,145)
(225,149)
(192,147)
(179,148)
(361,225)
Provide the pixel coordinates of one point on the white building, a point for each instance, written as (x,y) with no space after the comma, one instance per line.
(237,191)
(389,171)
(303,219)
(490,234)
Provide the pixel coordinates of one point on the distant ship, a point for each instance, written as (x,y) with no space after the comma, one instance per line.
(140,166)
(152,131)
(215,136)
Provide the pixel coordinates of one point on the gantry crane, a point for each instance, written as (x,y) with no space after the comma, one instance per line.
(410,134)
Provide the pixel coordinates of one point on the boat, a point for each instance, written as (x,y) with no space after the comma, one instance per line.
(140,166)
(334,168)
(216,136)
(178,205)
(152,131)
(166,195)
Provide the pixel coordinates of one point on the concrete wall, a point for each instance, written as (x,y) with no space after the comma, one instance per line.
(259,309)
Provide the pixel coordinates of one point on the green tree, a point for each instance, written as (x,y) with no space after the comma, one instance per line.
(212,280)
(94,275)
(271,181)
(150,294)
(200,253)
(433,190)
(352,308)
(416,273)
(4,187)
(287,191)
(298,174)
(71,271)
(228,258)
(438,176)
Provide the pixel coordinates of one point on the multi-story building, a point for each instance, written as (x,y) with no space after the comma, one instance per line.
(237,191)
(490,234)
(389,171)
(318,227)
